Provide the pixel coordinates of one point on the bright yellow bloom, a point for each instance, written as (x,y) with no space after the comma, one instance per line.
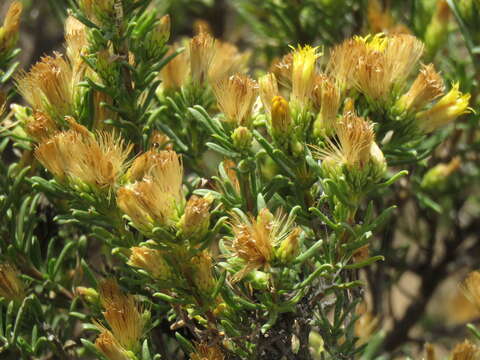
(446,110)
(303,71)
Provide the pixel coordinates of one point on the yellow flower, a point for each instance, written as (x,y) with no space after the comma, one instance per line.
(465,351)
(40,126)
(11,287)
(227,60)
(281,120)
(96,160)
(471,287)
(196,218)
(446,110)
(303,71)
(155,199)
(235,96)
(51,86)
(329,99)
(255,240)
(268,89)
(204,351)
(427,87)
(201,55)
(9,30)
(355,139)
(76,40)
(123,315)
(175,73)
(152,261)
(110,347)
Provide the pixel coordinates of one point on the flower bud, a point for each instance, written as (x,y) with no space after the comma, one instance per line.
(152,261)
(89,294)
(281,120)
(437,177)
(242,138)
(289,247)
(9,30)
(162,30)
(446,110)
(11,286)
(437,30)
(202,273)
(195,221)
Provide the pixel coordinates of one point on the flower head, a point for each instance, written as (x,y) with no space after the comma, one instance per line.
(446,110)
(236,96)
(196,218)
(329,103)
(51,86)
(465,351)
(123,315)
(227,60)
(268,89)
(9,30)
(427,87)
(156,195)
(11,287)
(110,347)
(201,55)
(96,160)
(175,73)
(255,239)
(303,71)
(152,261)
(204,351)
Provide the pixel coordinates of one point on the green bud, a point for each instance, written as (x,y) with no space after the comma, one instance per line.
(289,247)
(242,138)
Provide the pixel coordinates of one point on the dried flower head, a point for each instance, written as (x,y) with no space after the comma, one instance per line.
(204,351)
(355,138)
(343,62)
(201,265)
(110,347)
(446,110)
(235,96)
(175,73)
(227,60)
(40,126)
(195,221)
(50,86)
(329,101)
(471,287)
(122,314)
(427,87)
(465,351)
(80,156)
(201,55)
(303,70)
(256,238)
(3,102)
(268,89)
(76,40)
(156,198)
(9,30)
(152,261)
(282,69)
(11,286)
